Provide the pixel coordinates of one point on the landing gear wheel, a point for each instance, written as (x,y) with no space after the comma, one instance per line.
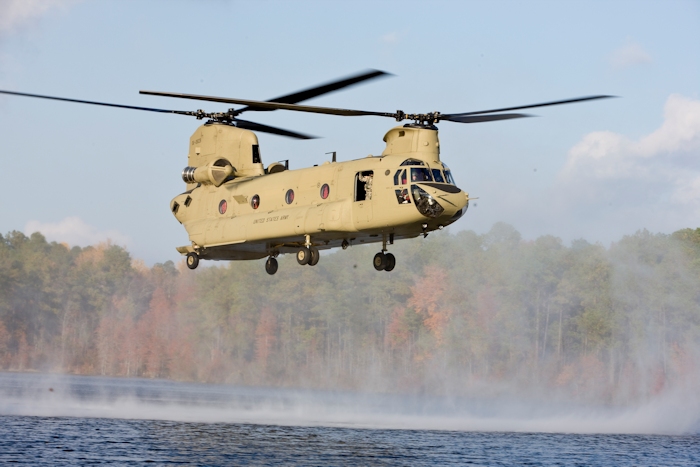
(379,261)
(303,256)
(315,256)
(390,262)
(192,260)
(271,265)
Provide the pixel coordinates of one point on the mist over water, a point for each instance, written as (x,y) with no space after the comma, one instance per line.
(136,398)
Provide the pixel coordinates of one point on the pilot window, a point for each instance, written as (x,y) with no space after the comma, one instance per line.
(400,177)
(448,175)
(421,175)
(363,185)
(412,162)
(437,175)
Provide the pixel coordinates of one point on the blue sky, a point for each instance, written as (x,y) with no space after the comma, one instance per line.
(596,170)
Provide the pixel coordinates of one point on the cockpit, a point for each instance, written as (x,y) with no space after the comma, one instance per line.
(414,171)
(419,172)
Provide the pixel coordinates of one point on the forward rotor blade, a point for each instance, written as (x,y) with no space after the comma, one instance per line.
(106,104)
(272,105)
(532,106)
(481,118)
(246,125)
(321,89)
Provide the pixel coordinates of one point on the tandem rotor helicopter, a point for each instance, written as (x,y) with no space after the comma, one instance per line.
(235,208)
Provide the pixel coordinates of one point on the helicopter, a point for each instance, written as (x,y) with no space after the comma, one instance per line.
(235,208)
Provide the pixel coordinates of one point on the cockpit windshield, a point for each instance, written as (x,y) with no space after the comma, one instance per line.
(448,175)
(421,175)
(437,175)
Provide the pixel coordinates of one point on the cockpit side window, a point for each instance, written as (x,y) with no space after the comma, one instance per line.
(421,175)
(400,177)
(402,196)
(412,162)
(437,175)
(448,175)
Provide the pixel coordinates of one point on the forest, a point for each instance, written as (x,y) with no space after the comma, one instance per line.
(462,314)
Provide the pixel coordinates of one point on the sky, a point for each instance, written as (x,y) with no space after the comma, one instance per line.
(598,170)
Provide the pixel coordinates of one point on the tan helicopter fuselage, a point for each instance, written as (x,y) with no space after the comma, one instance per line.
(235,209)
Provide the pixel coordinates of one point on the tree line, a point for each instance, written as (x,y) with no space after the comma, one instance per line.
(462,314)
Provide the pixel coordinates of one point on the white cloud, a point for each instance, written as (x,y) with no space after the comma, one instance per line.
(605,154)
(680,132)
(75,231)
(17,13)
(651,182)
(629,55)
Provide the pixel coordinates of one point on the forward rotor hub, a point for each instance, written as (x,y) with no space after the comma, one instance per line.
(420,119)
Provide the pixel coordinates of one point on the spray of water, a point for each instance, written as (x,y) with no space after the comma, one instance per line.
(94,397)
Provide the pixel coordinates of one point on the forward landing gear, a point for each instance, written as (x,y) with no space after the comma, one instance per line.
(384,261)
(303,255)
(308,255)
(315,256)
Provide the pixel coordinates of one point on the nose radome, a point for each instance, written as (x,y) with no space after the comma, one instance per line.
(454,200)
(441,201)
(458,206)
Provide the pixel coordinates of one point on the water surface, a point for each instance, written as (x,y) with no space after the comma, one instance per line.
(69,420)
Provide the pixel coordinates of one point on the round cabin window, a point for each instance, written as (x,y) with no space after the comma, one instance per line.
(289,197)
(325,191)
(222,206)
(255,202)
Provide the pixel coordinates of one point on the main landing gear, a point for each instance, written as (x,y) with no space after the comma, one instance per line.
(307,254)
(384,261)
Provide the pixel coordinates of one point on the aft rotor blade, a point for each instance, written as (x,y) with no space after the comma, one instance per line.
(106,104)
(532,106)
(481,118)
(321,89)
(273,105)
(246,125)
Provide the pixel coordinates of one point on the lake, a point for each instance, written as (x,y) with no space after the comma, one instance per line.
(77,420)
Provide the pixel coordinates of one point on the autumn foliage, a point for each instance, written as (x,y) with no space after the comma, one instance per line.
(427,299)
(458,312)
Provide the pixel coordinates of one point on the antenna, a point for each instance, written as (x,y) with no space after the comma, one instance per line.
(333,152)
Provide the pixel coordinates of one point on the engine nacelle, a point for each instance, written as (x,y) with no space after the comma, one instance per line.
(214,173)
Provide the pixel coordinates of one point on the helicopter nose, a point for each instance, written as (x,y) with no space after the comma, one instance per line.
(454,203)
(445,203)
